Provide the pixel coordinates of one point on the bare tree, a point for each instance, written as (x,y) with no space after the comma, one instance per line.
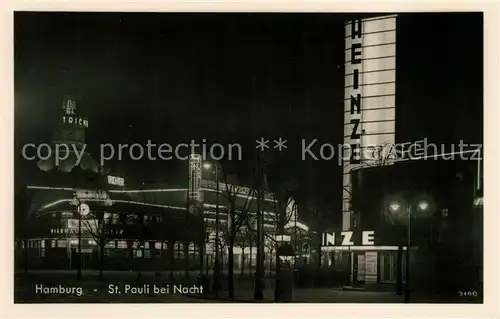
(315,210)
(241,202)
(282,198)
(100,227)
(270,244)
(245,239)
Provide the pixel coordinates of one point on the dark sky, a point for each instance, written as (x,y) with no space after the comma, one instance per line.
(235,77)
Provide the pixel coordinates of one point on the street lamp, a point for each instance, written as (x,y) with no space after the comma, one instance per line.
(398,206)
(82,210)
(217,217)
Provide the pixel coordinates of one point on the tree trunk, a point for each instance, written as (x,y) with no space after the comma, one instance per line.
(142,243)
(101,260)
(319,256)
(271,262)
(277,275)
(130,250)
(25,252)
(201,253)
(250,260)
(170,253)
(281,231)
(221,254)
(242,266)
(186,259)
(230,265)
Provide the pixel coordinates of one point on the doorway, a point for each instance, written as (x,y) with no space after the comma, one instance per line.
(388,268)
(359,269)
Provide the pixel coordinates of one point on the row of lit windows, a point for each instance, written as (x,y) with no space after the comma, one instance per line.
(131,219)
(122,244)
(126,218)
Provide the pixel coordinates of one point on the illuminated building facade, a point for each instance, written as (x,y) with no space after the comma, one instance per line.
(127,227)
(371,112)
(135,224)
(369,97)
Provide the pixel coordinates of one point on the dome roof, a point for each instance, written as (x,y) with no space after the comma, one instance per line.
(87,162)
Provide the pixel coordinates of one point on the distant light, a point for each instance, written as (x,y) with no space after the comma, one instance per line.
(207,165)
(423,206)
(394,207)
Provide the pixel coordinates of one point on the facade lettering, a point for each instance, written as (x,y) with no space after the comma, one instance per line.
(367,238)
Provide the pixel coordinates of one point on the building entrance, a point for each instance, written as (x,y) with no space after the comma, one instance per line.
(388,271)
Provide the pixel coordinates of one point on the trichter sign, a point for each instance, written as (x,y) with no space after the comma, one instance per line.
(347,238)
(69,109)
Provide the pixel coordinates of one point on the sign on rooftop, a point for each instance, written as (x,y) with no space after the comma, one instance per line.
(117,181)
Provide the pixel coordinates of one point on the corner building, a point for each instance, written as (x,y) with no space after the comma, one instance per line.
(379,127)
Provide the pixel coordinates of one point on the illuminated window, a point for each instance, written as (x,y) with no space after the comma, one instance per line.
(61,243)
(52,244)
(122,244)
(74,241)
(42,243)
(92,242)
(111,244)
(138,253)
(157,245)
(146,245)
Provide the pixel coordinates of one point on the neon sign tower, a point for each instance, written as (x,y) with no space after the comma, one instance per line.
(369,96)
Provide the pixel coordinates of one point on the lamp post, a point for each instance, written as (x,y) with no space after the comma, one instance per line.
(82,210)
(79,271)
(401,207)
(217,217)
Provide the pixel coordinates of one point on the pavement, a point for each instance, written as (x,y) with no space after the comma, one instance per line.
(316,295)
(127,287)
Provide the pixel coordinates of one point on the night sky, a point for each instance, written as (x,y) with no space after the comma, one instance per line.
(171,78)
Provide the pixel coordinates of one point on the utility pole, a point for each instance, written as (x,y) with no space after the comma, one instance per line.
(217,219)
(258,292)
(407,290)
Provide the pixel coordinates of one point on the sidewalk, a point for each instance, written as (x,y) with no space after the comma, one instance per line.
(110,274)
(313,295)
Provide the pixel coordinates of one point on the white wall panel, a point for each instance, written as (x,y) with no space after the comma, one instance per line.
(379,24)
(371,90)
(371,65)
(371,103)
(374,39)
(372,52)
(371,77)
